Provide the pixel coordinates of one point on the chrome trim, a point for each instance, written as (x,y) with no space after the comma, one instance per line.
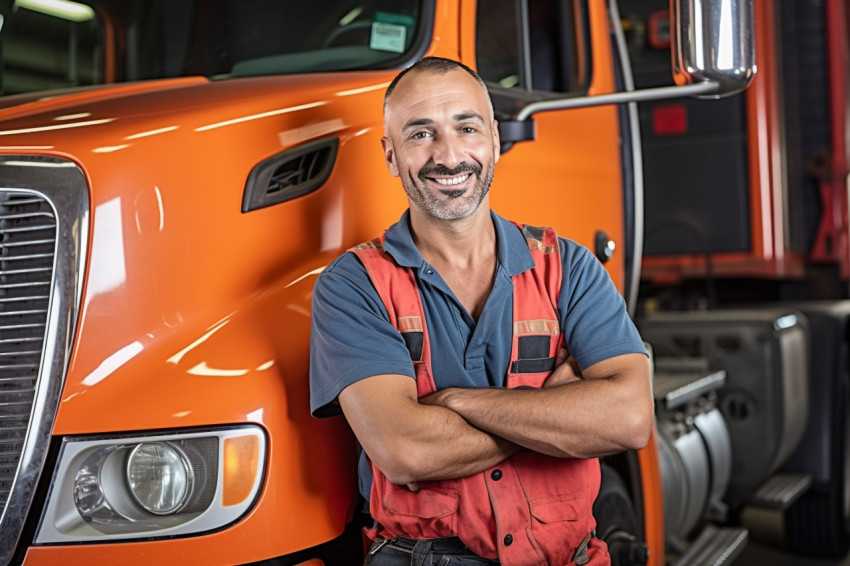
(63,185)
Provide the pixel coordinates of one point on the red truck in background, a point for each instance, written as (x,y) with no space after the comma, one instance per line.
(173,177)
(747,266)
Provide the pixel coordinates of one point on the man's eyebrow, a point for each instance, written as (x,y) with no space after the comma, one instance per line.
(463,117)
(417,123)
(469,116)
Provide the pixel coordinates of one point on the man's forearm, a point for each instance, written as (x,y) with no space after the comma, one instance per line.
(409,441)
(586,418)
(454,449)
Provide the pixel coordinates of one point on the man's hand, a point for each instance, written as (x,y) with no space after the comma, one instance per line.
(438,399)
(566,370)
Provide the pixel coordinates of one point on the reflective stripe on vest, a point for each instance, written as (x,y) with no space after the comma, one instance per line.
(531,508)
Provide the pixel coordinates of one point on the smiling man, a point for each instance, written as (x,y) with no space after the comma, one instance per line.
(483,365)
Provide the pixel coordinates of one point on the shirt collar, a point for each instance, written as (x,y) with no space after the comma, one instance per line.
(511,247)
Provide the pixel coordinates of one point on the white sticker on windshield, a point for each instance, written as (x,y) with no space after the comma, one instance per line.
(387,37)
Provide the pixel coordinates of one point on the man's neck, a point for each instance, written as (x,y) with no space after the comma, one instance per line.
(463,252)
(462,243)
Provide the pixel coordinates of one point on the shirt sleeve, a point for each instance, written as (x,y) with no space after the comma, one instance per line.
(351,337)
(594,319)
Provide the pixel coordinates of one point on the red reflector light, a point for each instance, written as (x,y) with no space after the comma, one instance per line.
(670,120)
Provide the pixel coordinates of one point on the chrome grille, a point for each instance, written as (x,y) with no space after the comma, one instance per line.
(44,211)
(27,247)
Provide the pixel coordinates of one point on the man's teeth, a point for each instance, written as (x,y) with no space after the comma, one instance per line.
(453,180)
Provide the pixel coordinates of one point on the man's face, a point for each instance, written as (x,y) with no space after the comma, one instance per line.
(442,142)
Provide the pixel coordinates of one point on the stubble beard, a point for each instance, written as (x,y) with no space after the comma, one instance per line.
(460,204)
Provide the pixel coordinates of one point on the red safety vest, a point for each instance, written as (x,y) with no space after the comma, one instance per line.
(530,509)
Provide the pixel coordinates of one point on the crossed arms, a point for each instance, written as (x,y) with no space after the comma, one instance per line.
(458,432)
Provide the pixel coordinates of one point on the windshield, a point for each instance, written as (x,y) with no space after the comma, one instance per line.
(49,44)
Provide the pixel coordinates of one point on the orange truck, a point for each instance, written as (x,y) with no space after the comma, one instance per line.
(173,177)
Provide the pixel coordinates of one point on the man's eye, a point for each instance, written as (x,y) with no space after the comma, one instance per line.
(420,135)
(468,130)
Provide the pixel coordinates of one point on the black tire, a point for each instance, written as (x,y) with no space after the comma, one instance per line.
(818,524)
(616,521)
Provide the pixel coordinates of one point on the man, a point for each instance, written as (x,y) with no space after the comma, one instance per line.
(444,343)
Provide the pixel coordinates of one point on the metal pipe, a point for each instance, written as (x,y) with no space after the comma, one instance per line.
(618,98)
(637,161)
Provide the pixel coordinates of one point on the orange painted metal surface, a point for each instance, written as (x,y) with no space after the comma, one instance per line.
(195,314)
(653,501)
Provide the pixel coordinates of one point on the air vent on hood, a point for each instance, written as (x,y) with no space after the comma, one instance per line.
(290,174)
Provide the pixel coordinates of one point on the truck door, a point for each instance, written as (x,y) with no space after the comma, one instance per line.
(569,176)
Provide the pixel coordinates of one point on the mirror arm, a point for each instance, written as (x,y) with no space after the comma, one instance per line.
(700,89)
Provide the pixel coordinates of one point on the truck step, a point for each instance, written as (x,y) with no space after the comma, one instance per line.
(715,546)
(675,389)
(780,491)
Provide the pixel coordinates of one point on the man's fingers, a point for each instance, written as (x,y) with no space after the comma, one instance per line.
(562,356)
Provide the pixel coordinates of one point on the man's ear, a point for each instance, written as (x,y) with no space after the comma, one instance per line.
(497,144)
(389,155)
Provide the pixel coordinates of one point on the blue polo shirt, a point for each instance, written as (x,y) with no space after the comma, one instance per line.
(352,337)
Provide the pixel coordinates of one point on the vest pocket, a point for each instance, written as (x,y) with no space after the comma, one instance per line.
(535,365)
(430,502)
(557,489)
(551,511)
(560,500)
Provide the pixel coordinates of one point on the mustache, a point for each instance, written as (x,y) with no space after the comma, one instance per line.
(461,168)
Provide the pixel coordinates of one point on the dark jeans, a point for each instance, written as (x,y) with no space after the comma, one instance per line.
(427,552)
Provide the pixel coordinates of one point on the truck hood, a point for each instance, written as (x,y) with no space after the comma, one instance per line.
(37,119)
(171,254)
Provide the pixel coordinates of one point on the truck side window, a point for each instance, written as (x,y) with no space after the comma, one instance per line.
(60,44)
(48,48)
(551,32)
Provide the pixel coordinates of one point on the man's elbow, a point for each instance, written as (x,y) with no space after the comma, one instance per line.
(639,409)
(401,468)
(398,475)
(638,428)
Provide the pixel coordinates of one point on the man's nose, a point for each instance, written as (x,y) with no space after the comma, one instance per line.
(448,151)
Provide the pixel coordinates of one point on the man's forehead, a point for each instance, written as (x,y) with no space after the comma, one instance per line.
(421,90)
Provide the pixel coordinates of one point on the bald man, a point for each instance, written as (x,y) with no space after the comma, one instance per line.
(483,365)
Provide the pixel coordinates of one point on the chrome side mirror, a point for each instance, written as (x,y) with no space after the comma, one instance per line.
(712,44)
(712,40)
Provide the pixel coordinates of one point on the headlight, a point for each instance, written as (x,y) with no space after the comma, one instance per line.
(160,477)
(163,485)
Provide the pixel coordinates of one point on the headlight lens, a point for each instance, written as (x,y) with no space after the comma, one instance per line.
(162,485)
(159,477)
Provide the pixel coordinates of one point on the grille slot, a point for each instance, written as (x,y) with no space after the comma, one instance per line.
(27,249)
(293,173)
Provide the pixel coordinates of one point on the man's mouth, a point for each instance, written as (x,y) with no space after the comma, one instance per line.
(450,181)
(449,178)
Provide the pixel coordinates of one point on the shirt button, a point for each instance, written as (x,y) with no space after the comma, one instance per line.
(429,271)
(496,475)
(508,540)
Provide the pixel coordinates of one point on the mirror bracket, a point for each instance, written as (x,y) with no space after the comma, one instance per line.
(700,89)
